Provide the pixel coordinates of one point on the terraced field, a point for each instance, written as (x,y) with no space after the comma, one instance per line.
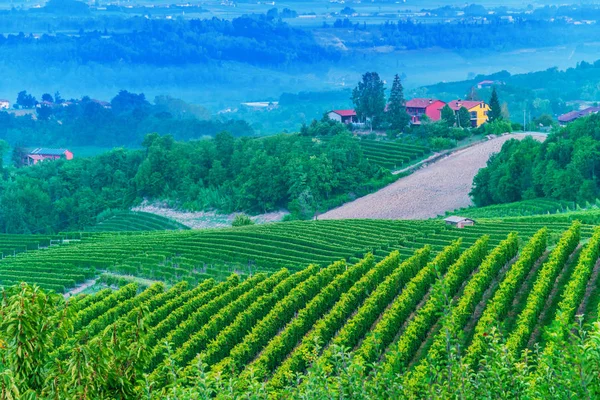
(392,154)
(193,256)
(386,307)
(10,245)
(523,208)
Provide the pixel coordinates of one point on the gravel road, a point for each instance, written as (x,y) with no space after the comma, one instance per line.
(430,191)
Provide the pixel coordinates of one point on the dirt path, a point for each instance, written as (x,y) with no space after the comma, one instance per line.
(79,288)
(430,191)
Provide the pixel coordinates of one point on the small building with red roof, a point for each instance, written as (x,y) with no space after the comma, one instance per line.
(34,156)
(343,116)
(432,108)
(488,84)
(573,115)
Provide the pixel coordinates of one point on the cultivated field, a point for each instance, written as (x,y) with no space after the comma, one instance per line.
(429,192)
(385,309)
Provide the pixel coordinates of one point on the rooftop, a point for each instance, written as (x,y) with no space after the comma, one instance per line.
(421,103)
(345,113)
(456,219)
(47,151)
(468,104)
(573,115)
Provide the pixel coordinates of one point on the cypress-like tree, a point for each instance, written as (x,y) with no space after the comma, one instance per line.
(495,113)
(463,118)
(448,115)
(369,98)
(396,112)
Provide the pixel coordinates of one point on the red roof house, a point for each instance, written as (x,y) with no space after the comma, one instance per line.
(416,108)
(343,116)
(33,156)
(573,115)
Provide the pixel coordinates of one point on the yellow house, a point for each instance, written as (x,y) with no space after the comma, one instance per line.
(477,109)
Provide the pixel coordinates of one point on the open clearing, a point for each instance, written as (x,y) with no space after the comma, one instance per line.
(429,192)
(204,219)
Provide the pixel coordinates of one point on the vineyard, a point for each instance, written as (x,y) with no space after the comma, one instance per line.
(418,287)
(172,256)
(392,154)
(524,208)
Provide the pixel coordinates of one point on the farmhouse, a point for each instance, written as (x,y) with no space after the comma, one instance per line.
(416,108)
(33,156)
(573,115)
(459,222)
(488,84)
(343,116)
(478,110)
(4,104)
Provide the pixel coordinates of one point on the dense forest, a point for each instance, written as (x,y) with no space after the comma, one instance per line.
(255,40)
(228,174)
(566,167)
(496,34)
(258,39)
(122,122)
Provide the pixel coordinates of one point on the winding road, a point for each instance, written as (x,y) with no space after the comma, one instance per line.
(430,191)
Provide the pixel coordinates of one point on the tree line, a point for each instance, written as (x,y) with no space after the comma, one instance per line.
(256,40)
(122,122)
(225,173)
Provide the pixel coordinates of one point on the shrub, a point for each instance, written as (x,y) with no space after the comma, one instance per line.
(242,220)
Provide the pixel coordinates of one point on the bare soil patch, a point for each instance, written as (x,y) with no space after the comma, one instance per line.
(204,219)
(430,191)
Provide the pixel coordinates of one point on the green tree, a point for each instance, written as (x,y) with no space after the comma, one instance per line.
(448,115)
(242,220)
(544,120)
(463,118)
(495,107)
(396,113)
(26,100)
(369,98)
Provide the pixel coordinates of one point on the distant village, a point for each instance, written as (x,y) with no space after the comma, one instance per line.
(430,109)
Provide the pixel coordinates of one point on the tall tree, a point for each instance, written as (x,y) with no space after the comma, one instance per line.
(397,115)
(26,100)
(463,118)
(495,108)
(369,98)
(448,115)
